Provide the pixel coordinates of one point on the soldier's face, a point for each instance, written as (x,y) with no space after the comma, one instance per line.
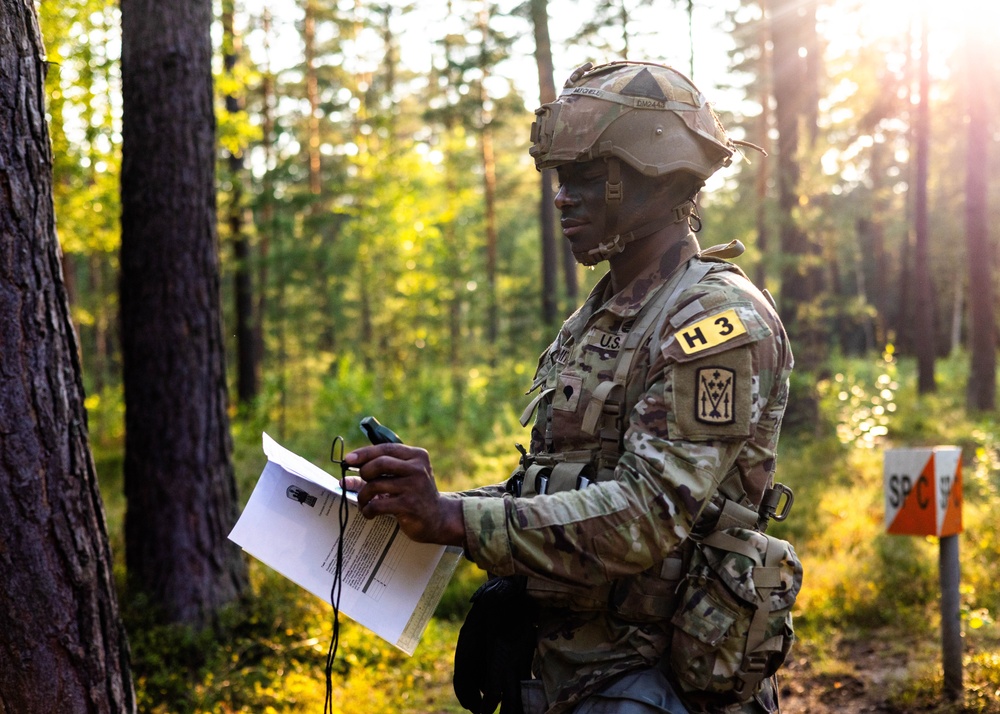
(581,201)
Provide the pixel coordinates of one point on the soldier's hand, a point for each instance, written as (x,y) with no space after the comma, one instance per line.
(397,480)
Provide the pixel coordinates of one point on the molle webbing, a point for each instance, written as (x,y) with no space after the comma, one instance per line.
(606,409)
(648,596)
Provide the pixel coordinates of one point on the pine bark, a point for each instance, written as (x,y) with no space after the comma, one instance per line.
(62,644)
(178,476)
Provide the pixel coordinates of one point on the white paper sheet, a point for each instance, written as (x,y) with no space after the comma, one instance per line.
(391,584)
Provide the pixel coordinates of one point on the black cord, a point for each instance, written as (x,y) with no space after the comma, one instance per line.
(343,511)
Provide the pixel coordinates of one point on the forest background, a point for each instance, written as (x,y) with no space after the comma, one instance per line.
(386,247)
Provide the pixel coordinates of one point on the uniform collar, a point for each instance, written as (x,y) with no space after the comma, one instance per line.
(629,301)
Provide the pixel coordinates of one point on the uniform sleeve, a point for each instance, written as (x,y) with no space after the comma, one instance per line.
(606,531)
(684,434)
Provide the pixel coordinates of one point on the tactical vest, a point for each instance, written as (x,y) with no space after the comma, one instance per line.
(649,596)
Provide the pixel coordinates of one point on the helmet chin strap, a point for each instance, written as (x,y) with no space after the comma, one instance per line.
(617,242)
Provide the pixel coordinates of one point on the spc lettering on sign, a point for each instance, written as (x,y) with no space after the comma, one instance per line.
(901,486)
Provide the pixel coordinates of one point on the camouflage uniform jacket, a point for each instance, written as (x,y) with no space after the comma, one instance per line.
(709,404)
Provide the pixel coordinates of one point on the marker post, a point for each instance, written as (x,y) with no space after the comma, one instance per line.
(923,496)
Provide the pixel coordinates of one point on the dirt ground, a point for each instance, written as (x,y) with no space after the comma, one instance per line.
(858,683)
(857,676)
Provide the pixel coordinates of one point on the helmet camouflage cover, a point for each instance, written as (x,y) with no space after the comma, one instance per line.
(648,115)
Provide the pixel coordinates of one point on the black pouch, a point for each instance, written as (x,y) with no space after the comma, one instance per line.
(495,647)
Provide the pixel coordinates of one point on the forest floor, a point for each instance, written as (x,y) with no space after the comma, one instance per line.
(862,675)
(857,683)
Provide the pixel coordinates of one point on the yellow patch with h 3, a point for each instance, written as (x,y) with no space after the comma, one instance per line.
(710,332)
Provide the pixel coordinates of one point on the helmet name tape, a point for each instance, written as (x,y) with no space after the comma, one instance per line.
(679,101)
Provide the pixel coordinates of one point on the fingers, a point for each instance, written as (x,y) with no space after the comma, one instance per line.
(374,502)
(352,483)
(382,487)
(397,480)
(395,460)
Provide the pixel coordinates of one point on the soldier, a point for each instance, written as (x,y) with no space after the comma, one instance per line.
(656,414)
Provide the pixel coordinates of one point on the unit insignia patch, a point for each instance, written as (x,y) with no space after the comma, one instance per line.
(715,397)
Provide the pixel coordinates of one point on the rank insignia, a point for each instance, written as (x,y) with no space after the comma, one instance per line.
(715,395)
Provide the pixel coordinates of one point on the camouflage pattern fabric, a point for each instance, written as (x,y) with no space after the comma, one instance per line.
(733,624)
(623,104)
(704,400)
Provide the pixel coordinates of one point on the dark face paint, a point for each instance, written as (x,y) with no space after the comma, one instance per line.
(582,203)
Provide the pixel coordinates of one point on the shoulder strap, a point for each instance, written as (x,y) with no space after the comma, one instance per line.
(609,395)
(693,276)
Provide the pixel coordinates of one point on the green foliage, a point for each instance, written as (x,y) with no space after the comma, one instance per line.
(455,602)
(921,690)
(860,580)
(372,299)
(268,653)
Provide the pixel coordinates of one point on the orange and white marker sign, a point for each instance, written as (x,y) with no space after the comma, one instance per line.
(923,491)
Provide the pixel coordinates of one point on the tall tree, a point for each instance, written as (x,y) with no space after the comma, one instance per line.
(982,387)
(247,356)
(752,57)
(539,10)
(178,475)
(488,56)
(266,211)
(62,644)
(312,96)
(801,275)
(924,316)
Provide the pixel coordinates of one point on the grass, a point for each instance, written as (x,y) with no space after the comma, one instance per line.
(267,654)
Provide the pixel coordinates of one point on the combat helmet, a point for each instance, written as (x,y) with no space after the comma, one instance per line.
(648,115)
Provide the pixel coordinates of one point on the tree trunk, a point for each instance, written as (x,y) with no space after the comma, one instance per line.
(62,644)
(924,318)
(546,212)
(247,362)
(178,476)
(489,185)
(982,387)
(801,277)
(762,170)
(490,190)
(266,225)
(312,95)
(903,320)
(874,247)
(690,13)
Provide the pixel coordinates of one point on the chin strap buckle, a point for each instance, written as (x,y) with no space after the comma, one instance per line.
(684,210)
(604,251)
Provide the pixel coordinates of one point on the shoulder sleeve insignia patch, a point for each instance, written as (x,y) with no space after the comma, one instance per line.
(710,332)
(715,395)
(712,396)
